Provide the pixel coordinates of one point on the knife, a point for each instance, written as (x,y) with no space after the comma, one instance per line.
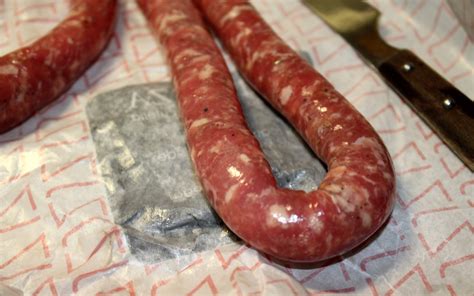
(445,109)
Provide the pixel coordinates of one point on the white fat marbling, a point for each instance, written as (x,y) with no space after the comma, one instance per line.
(206,72)
(316,224)
(285,94)
(278,215)
(199,122)
(366,219)
(170,18)
(9,70)
(234,12)
(244,158)
(231,192)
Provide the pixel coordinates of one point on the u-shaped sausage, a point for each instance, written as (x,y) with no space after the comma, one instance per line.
(35,75)
(355,197)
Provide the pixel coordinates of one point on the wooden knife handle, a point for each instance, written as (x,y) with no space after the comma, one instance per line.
(442,106)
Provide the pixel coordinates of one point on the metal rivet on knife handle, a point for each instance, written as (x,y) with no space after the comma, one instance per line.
(449,103)
(407,67)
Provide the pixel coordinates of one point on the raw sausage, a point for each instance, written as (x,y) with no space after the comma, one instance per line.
(357,194)
(33,76)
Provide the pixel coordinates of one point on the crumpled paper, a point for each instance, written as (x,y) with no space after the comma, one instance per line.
(59,233)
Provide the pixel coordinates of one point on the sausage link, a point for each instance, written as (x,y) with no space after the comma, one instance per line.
(35,75)
(355,197)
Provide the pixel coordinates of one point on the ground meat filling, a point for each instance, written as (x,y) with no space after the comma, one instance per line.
(357,194)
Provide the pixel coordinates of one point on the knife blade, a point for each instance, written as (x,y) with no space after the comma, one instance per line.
(444,108)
